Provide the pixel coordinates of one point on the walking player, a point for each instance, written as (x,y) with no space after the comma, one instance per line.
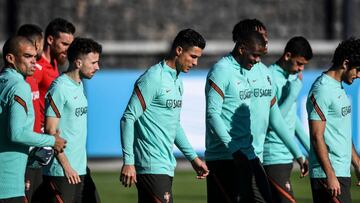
(329,111)
(151,125)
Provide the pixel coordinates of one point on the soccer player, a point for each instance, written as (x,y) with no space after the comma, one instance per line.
(263,112)
(151,125)
(17,118)
(329,114)
(33,177)
(286,74)
(66,109)
(263,116)
(35,34)
(58,36)
(229,152)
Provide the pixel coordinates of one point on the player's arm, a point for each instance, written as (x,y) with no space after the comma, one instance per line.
(302,135)
(355,160)
(184,146)
(51,126)
(144,92)
(294,90)
(317,105)
(214,94)
(317,129)
(277,123)
(19,108)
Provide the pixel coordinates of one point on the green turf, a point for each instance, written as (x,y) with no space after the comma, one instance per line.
(187,189)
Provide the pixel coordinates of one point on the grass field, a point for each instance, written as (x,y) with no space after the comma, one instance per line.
(187,189)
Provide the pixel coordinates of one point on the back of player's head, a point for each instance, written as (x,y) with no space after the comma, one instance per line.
(12,45)
(82,46)
(57,26)
(299,46)
(188,38)
(31,31)
(347,50)
(246,25)
(250,39)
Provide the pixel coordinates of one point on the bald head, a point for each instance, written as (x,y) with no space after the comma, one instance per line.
(19,54)
(12,46)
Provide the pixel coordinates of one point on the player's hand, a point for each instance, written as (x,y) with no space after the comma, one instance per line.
(200,168)
(72,175)
(128,175)
(60,143)
(357,173)
(333,186)
(304,166)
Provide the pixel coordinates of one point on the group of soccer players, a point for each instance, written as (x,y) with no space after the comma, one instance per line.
(47,112)
(250,119)
(251,122)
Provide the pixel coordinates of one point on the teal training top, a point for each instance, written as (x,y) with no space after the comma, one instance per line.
(287,88)
(16,132)
(151,126)
(327,101)
(228,96)
(265,111)
(66,100)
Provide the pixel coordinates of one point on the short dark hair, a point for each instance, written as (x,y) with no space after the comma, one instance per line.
(30,31)
(11,46)
(59,25)
(246,25)
(188,38)
(250,39)
(82,46)
(299,46)
(347,50)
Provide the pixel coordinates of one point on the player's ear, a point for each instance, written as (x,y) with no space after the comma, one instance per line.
(345,64)
(287,56)
(78,63)
(10,58)
(241,49)
(178,50)
(50,39)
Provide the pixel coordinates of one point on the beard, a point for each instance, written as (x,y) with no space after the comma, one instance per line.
(60,60)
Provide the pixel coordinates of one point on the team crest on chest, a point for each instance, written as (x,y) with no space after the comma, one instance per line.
(345,110)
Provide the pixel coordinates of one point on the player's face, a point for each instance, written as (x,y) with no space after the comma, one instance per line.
(24,60)
(39,45)
(250,55)
(89,64)
(296,64)
(351,74)
(265,35)
(187,58)
(59,46)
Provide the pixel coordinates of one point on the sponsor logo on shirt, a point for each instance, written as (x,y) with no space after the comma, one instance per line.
(245,94)
(173,103)
(80,111)
(345,110)
(35,95)
(262,92)
(257,92)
